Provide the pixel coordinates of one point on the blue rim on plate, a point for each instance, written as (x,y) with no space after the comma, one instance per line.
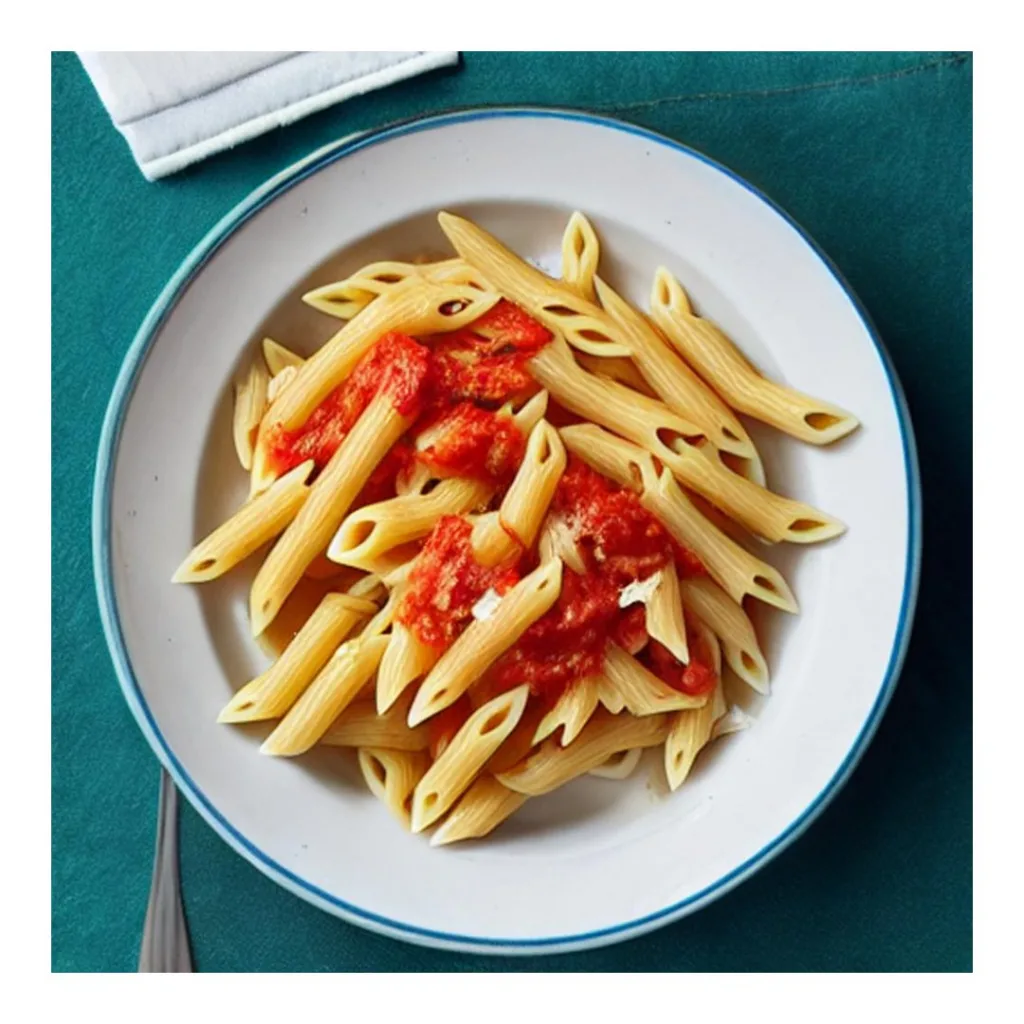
(110,438)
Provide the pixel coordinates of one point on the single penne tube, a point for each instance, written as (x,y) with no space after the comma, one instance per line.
(391,776)
(344,299)
(619,766)
(371,531)
(485,640)
(273,692)
(687,736)
(359,725)
(653,426)
(727,370)
(490,542)
(642,692)
(526,415)
(250,404)
(664,614)
(406,661)
(330,497)
(552,765)
(526,501)
(471,747)
(731,624)
(620,369)
(677,385)
(259,520)
(480,810)
(555,303)
(278,358)
(571,712)
(708,647)
(581,253)
(336,685)
(734,568)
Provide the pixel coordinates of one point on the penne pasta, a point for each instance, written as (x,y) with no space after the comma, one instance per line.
(664,614)
(520,740)
(335,687)
(344,299)
(480,810)
(459,668)
(371,531)
(451,774)
(734,568)
(641,691)
(278,358)
(620,369)
(556,304)
(677,385)
(731,624)
(259,520)
(271,694)
(689,733)
(662,433)
(722,365)
(571,712)
(392,775)
(609,696)
(581,253)
(360,725)
(621,765)
(485,640)
(331,495)
(526,501)
(250,404)
(615,331)
(406,661)
(529,413)
(551,765)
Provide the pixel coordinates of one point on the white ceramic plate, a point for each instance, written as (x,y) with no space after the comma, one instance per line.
(599,861)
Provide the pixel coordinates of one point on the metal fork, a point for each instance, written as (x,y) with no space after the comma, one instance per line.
(165,946)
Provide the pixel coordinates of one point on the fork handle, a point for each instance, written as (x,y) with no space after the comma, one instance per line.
(165,946)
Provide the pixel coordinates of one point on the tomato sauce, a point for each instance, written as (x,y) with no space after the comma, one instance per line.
(695,679)
(396,366)
(486,362)
(474,442)
(446,582)
(620,542)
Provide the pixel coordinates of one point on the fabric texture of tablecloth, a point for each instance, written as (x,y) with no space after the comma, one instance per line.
(871,153)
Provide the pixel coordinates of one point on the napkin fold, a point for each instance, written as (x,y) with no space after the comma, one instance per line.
(176,108)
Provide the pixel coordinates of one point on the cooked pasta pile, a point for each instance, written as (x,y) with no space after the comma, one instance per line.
(524,503)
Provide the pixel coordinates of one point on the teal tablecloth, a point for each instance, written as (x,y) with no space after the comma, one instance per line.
(872,154)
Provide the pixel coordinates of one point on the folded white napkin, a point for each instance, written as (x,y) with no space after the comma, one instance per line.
(175,108)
